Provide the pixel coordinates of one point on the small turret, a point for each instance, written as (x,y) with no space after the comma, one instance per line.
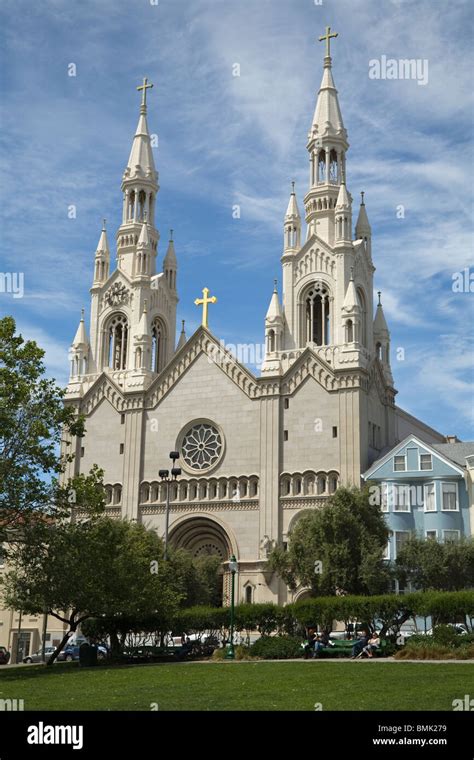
(363,230)
(351,313)
(142,342)
(274,323)
(382,340)
(170,264)
(144,253)
(182,337)
(79,352)
(343,217)
(292,225)
(102,259)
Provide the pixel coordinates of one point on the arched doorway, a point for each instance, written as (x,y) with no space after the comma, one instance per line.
(203,537)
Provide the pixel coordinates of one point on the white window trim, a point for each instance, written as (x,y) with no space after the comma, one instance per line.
(449,482)
(395,532)
(432,530)
(451,530)
(405,460)
(388,549)
(425,454)
(430,511)
(401,511)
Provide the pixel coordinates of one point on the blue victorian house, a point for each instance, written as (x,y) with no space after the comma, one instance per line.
(426,489)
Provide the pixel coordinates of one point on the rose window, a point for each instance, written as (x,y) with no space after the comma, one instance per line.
(201,446)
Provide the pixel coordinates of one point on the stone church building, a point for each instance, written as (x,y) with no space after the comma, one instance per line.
(255,452)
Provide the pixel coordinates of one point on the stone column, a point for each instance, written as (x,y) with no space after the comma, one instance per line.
(132,463)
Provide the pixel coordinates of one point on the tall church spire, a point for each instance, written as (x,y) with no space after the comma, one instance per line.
(327,146)
(140,188)
(141,156)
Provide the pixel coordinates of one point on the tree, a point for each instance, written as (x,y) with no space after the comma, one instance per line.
(198,579)
(429,564)
(337,549)
(95,568)
(32,421)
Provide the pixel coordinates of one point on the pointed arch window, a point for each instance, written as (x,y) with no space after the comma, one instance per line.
(117,342)
(271,341)
(141,205)
(363,316)
(333,167)
(349,331)
(317,315)
(321,167)
(158,346)
(131,204)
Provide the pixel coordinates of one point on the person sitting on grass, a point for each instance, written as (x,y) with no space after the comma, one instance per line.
(360,644)
(372,645)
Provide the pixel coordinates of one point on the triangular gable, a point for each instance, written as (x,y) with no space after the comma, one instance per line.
(105,387)
(309,364)
(202,342)
(379,463)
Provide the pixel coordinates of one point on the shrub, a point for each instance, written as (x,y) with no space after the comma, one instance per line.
(445,635)
(277,648)
(433,651)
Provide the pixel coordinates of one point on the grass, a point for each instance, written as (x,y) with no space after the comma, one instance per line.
(240,686)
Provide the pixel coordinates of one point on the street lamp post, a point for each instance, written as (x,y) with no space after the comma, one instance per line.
(165,478)
(233,567)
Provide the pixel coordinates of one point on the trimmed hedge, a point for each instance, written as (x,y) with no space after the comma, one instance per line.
(388,612)
(277,648)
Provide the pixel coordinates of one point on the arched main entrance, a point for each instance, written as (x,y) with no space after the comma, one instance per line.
(201,536)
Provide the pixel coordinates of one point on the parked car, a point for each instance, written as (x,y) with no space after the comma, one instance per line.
(4,656)
(459,628)
(38,656)
(71,652)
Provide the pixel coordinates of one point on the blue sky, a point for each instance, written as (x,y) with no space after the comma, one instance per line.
(227,140)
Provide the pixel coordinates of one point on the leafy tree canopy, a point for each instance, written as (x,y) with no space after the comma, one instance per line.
(337,548)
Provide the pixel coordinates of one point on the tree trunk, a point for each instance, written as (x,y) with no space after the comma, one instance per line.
(115,649)
(65,639)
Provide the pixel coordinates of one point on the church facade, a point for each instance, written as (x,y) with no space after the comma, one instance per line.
(255,452)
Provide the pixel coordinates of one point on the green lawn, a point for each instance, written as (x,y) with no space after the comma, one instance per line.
(240,686)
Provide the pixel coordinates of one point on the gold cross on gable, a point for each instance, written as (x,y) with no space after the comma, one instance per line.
(204,302)
(145,86)
(328,36)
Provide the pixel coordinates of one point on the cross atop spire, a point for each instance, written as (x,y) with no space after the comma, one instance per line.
(204,302)
(328,36)
(145,86)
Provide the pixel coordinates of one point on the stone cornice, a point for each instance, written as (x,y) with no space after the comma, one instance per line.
(244,505)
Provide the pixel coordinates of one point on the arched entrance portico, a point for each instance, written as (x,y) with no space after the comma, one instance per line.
(203,536)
